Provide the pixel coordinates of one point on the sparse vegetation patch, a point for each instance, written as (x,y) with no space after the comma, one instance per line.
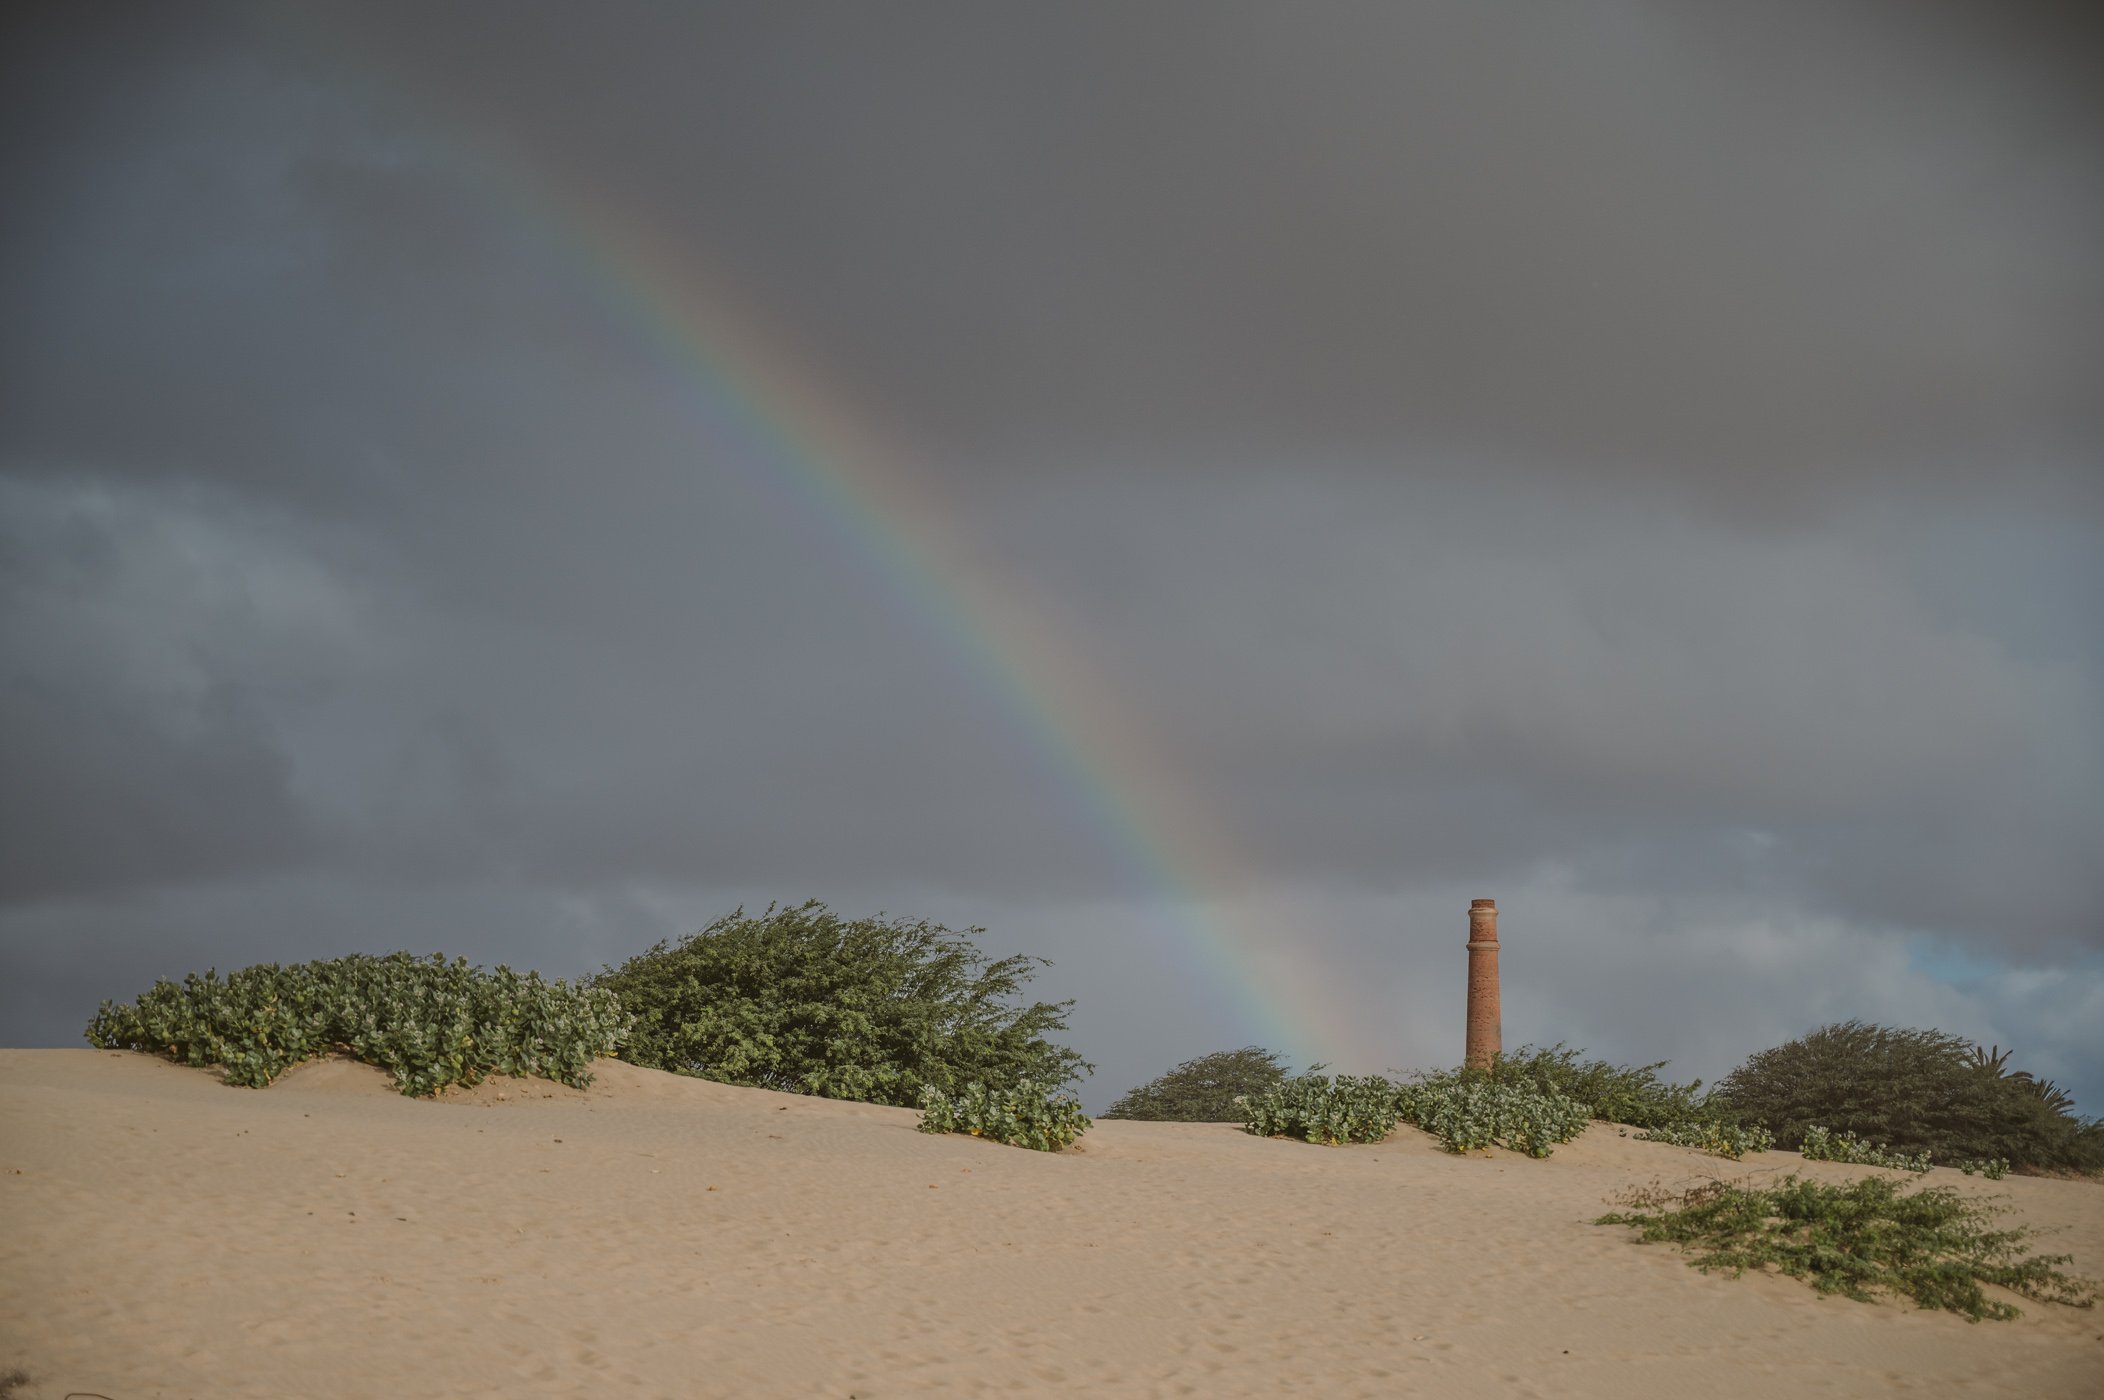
(1709,1135)
(1823,1146)
(1862,1239)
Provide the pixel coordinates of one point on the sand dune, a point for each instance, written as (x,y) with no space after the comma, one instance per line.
(167,1236)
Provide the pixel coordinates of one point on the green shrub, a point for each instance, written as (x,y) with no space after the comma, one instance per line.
(1021,1115)
(871,1009)
(1632,1094)
(1823,1146)
(1993,1168)
(428,1022)
(1315,1108)
(1203,1090)
(1467,1115)
(1709,1135)
(1916,1090)
(1464,1114)
(1860,1239)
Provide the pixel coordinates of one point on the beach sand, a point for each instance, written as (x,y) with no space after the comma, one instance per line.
(168,1236)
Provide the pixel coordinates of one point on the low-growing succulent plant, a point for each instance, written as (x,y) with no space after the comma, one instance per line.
(1711,1136)
(1469,1115)
(1315,1108)
(1464,1114)
(428,1022)
(1022,1115)
(1632,1094)
(1823,1146)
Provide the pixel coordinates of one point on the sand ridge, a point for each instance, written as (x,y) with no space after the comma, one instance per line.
(169,1236)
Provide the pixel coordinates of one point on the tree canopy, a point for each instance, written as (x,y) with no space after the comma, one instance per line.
(802,1000)
(1203,1090)
(1913,1091)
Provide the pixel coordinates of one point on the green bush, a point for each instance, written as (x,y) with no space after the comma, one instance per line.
(1464,1114)
(1555,1077)
(1632,1094)
(1859,1239)
(1315,1108)
(1203,1090)
(1917,1090)
(870,1009)
(1709,1135)
(1021,1115)
(1823,1146)
(1468,1115)
(1993,1168)
(428,1022)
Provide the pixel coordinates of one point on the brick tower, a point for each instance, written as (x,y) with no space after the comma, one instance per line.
(1484,1028)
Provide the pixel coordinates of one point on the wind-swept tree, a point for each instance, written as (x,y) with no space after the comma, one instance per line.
(802,1000)
(1912,1091)
(1203,1090)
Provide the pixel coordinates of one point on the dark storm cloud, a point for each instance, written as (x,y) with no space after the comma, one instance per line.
(1388,683)
(1761,255)
(1757,257)
(1641,458)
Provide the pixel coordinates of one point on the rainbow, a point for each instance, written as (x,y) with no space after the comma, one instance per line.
(800,438)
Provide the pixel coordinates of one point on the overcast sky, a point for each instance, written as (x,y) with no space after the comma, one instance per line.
(1642,464)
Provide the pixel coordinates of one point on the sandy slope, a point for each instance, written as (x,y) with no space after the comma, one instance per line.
(168,1236)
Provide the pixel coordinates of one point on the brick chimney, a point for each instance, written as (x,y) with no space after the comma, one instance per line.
(1484,1028)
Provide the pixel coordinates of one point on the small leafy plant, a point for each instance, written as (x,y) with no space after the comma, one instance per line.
(1464,1114)
(1315,1108)
(1468,1115)
(1632,1094)
(1823,1146)
(1861,1239)
(1716,1138)
(1022,1115)
(428,1022)
(1993,1168)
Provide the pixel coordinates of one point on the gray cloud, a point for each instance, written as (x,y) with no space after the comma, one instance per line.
(1389,680)
(1753,258)
(1643,462)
